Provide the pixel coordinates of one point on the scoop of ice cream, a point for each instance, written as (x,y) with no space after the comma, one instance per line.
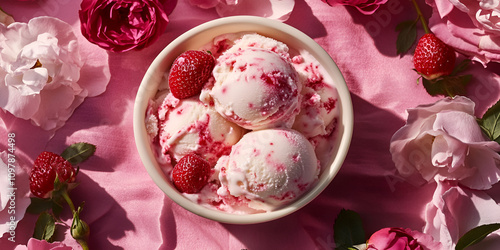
(256,88)
(319,105)
(188,126)
(267,169)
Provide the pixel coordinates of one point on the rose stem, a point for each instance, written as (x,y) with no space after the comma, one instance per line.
(421,17)
(69,201)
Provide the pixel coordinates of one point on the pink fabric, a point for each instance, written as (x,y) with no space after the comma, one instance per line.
(125,209)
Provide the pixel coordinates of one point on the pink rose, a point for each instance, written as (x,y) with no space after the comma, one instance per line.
(366,7)
(399,238)
(444,140)
(40,66)
(34,244)
(272,9)
(123,25)
(471,27)
(454,210)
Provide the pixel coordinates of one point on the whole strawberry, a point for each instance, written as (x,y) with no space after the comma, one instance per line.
(189,72)
(433,58)
(191,174)
(47,166)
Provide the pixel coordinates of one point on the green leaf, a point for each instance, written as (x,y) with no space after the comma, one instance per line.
(348,230)
(406,37)
(447,85)
(44,227)
(462,66)
(490,122)
(78,152)
(476,235)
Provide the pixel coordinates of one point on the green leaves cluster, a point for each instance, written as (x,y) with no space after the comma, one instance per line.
(349,232)
(49,209)
(450,85)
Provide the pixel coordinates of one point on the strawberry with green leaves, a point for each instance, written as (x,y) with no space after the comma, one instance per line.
(51,178)
(47,167)
(433,59)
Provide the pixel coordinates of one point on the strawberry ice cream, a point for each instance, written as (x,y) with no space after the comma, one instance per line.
(267,169)
(264,121)
(319,98)
(189,126)
(256,85)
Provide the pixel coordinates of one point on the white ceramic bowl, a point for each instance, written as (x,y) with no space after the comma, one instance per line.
(195,38)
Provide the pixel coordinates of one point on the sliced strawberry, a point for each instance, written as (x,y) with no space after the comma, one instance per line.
(191,174)
(189,72)
(43,174)
(433,58)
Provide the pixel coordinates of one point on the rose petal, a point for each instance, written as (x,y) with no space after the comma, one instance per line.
(43,245)
(204,4)
(16,103)
(402,238)
(471,27)
(466,130)
(273,9)
(455,210)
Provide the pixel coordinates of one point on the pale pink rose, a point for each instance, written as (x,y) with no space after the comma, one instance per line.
(40,66)
(34,244)
(470,26)
(454,210)
(395,238)
(443,139)
(366,7)
(14,193)
(272,9)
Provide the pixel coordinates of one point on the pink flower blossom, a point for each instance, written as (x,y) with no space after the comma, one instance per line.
(14,193)
(366,7)
(40,66)
(34,244)
(395,238)
(123,25)
(454,210)
(272,9)
(444,140)
(471,27)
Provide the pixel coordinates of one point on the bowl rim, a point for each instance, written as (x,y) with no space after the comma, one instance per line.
(142,140)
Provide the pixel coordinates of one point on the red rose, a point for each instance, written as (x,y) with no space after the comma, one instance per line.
(122,25)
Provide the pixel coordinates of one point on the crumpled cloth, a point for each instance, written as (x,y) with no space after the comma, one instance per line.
(126,210)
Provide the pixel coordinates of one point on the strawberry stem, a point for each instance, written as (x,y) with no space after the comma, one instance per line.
(421,17)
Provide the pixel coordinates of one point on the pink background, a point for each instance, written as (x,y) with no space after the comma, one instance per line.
(126,210)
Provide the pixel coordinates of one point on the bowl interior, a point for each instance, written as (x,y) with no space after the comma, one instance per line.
(199,36)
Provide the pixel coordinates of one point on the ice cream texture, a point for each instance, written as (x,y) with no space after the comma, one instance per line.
(189,126)
(256,87)
(267,168)
(263,120)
